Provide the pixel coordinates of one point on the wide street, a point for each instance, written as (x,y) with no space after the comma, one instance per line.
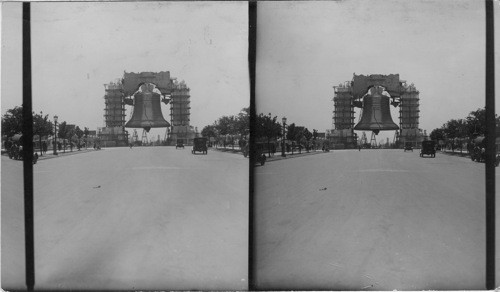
(370,220)
(120,218)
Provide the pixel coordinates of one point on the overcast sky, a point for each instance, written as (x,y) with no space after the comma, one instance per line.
(305,48)
(78,47)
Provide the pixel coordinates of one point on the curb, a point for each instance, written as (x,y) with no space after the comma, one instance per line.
(464,154)
(235,151)
(290,156)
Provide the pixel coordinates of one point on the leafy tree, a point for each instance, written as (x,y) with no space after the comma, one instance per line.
(290,132)
(12,121)
(63,133)
(437,134)
(455,129)
(299,136)
(79,135)
(267,127)
(42,126)
(71,134)
(315,134)
(86,133)
(226,125)
(307,135)
(209,131)
(476,123)
(315,137)
(243,122)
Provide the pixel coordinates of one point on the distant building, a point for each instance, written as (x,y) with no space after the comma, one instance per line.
(342,135)
(114,133)
(409,114)
(180,114)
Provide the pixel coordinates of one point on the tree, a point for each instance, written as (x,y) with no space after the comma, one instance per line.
(454,130)
(42,126)
(86,133)
(63,133)
(12,121)
(226,125)
(437,134)
(79,135)
(299,136)
(70,135)
(243,122)
(476,123)
(290,132)
(308,135)
(315,134)
(209,131)
(267,127)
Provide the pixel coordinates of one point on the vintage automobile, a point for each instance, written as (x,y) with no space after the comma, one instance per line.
(478,149)
(408,147)
(179,144)
(200,145)
(326,146)
(428,148)
(259,153)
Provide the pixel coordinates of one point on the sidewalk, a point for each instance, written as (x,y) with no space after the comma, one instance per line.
(236,150)
(456,153)
(289,155)
(50,154)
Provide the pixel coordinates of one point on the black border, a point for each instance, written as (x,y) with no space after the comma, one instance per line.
(28,149)
(490,146)
(252,51)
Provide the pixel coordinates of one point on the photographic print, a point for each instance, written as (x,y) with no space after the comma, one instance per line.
(371,122)
(140,120)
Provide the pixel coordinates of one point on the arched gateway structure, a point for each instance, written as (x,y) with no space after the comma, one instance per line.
(144,91)
(374,94)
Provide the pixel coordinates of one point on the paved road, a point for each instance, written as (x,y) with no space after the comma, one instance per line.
(370,220)
(146,218)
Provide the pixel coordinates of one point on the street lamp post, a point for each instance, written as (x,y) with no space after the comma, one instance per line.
(55,135)
(283,138)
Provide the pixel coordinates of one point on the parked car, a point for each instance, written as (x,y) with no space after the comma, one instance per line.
(478,149)
(428,148)
(200,145)
(179,144)
(259,153)
(408,147)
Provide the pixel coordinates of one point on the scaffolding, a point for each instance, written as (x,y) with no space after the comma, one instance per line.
(114,134)
(343,112)
(409,115)
(180,114)
(114,110)
(342,135)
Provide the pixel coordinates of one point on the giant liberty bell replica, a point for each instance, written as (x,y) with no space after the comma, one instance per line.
(376,115)
(147,109)
(374,94)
